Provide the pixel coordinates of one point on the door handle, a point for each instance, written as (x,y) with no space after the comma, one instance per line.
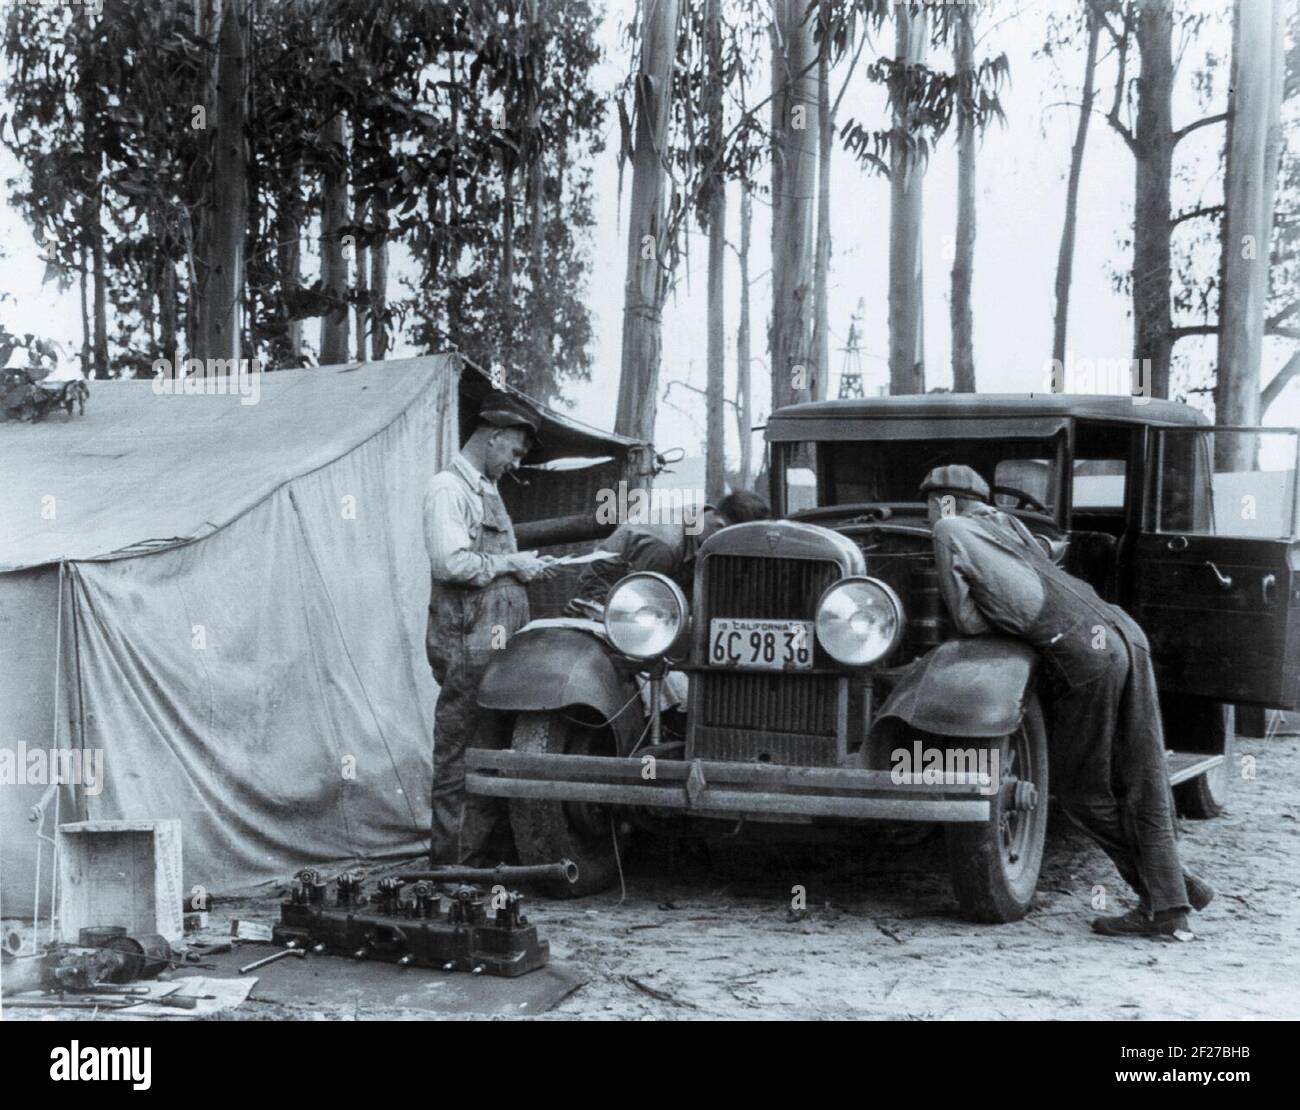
(1268,589)
(1178,543)
(1225,580)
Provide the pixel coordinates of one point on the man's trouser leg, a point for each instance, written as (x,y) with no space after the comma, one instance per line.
(1092,756)
(1081,769)
(1141,772)
(462,824)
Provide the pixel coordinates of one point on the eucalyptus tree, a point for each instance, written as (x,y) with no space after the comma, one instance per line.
(923,102)
(645,131)
(1064,29)
(1253,149)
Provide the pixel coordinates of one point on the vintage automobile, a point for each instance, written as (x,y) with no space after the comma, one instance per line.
(823,670)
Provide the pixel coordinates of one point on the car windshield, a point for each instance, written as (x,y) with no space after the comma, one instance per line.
(846,473)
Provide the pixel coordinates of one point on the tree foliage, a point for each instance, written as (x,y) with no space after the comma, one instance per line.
(438,97)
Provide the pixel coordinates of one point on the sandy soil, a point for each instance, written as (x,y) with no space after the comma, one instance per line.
(712,933)
(881,939)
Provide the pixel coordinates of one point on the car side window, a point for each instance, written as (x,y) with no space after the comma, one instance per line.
(1035,477)
(1100,470)
(1099,484)
(1226,482)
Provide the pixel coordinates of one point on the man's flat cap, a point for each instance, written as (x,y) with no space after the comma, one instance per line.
(505,411)
(960,480)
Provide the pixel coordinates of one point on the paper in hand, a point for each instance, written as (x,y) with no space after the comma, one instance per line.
(578,560)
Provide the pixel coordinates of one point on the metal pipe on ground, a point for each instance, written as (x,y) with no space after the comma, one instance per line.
(566,869)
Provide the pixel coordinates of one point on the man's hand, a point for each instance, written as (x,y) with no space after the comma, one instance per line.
(527,566)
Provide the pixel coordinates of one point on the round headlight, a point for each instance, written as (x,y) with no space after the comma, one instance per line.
(859,621)
(645,615)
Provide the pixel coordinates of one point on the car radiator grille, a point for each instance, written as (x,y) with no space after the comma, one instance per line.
(785,718)
(765,589)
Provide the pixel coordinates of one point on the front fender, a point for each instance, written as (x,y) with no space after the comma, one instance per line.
(553,668)
(968,687)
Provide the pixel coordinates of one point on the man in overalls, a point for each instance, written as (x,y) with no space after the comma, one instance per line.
(477,603)
(1106,741)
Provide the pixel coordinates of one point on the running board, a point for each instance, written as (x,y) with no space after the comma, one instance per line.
(1189,765)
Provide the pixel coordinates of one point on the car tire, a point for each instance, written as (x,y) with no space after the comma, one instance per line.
(549,831)
(1206,796)
(994,866)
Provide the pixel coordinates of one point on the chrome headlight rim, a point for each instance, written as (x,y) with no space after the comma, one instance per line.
(678,599)
(891,597)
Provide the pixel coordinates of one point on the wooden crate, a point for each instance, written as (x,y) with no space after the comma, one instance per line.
(120,873)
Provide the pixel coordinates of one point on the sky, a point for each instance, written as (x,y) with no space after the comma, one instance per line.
(1020,206)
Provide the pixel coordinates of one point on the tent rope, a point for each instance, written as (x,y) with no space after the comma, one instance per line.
(54,746)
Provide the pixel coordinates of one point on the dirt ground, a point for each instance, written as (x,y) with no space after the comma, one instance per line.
(712,934)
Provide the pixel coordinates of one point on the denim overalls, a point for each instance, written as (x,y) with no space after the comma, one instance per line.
(1106,741)
(466,624)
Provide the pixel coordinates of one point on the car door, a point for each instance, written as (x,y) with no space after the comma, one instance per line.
(1216,568)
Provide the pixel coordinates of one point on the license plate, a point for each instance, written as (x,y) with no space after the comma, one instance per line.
(763,645)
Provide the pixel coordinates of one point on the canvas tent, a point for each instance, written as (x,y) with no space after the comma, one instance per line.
(228,601)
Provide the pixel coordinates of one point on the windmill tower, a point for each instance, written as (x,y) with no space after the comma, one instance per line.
(851,367)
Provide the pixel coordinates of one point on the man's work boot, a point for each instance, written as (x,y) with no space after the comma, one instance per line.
(1138,923)
(1199,893)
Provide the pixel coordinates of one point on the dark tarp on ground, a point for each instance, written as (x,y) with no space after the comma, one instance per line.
(243,612)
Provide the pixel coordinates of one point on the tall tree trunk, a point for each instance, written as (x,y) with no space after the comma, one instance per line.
(334,265)
(100,285)
(362,309)
(715,446)
(221,253)
(87,369)
(1065,256)
(288,258)
(744,389)
(794,177)
(164,285)
(168,294)
(1257,52)
(963,263)
(645,285)
(379,283)
(539,380)
(207,17)
(92,207)
(506,274)
(361,304)
(822,262)
(1153,151)
(906,175)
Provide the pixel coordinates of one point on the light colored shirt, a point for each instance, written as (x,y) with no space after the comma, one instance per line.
(983,584)
(456,503)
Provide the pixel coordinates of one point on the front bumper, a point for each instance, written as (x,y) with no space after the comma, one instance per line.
(714,789)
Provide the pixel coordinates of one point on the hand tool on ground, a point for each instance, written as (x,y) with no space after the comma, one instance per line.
(272,958)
